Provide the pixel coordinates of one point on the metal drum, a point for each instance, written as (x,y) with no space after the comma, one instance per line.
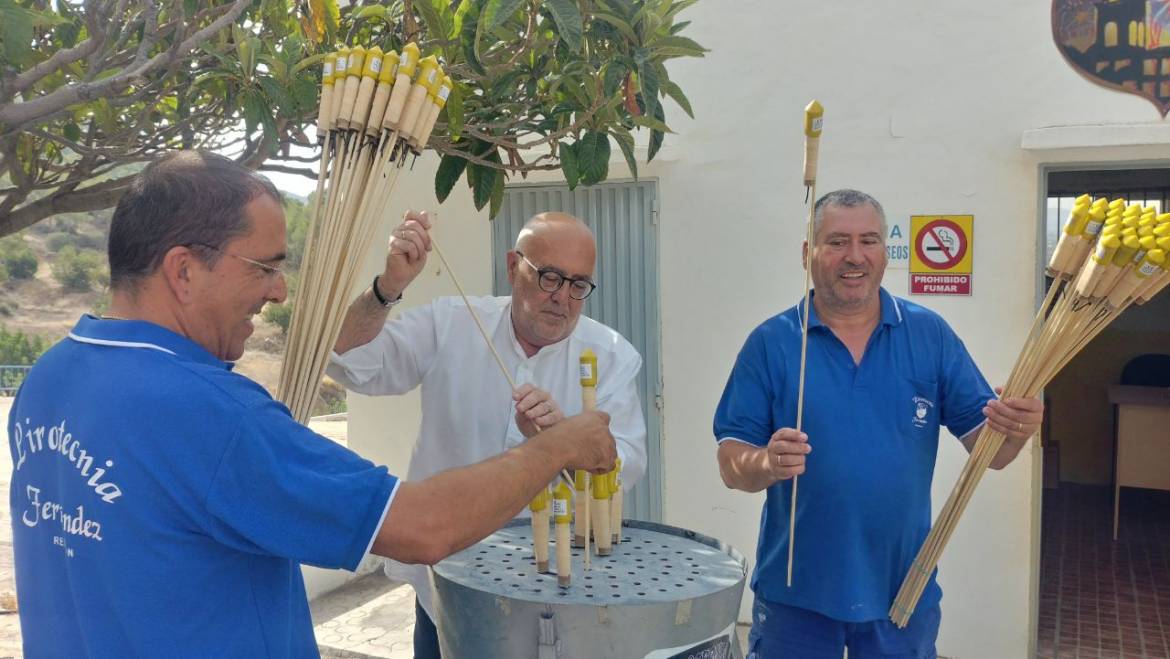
(664,593)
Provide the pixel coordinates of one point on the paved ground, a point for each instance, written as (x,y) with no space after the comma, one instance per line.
(369,617)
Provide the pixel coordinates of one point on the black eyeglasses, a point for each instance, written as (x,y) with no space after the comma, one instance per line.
(551,281)
(272,271)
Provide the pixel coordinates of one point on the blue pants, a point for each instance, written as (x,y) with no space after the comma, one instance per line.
(783,632)
(426,637)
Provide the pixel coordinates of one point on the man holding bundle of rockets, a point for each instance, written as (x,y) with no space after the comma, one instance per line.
(883,375)
(538,333)
(163,503)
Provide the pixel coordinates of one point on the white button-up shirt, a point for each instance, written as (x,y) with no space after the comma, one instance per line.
(467,410)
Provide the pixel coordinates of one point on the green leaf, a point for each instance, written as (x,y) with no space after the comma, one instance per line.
(450,169)
(681,44)
(431,18)
(497,199)
(483,184)
(570,26)
(311,61)
(495,12)
(618,24)
(676,93)
(457,23)
(679,6)
(648,80)
(568,155)
(670,53)
(373,11)
(615,74)
(625,142)
(277,93)
(481,177)
(679,27)
(454,110)
(72,132)
(651,123)
(593,157)
(656,136)
(469,34)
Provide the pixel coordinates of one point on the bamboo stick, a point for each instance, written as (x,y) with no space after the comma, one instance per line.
(1079,305)
(813,123)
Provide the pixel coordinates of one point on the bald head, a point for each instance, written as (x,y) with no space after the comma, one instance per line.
(549,242)
(555,227)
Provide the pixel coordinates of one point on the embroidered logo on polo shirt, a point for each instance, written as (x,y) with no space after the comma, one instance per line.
(922,408)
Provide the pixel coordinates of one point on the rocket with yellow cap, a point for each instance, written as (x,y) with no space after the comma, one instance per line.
(387,71)
(407,65)
(326,107)
(540,515)
(561,518)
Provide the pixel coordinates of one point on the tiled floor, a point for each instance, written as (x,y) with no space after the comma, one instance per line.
(1099,598)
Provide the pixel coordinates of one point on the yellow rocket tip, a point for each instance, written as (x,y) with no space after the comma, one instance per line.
(813,119)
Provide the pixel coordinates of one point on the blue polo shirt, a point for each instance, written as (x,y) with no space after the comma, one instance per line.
(863,505)
(161,504)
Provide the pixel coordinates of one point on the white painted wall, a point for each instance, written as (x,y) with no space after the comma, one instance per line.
(927,106)
(383,428)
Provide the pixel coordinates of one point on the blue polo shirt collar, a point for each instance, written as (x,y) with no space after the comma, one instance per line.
(142,335)
(891,310)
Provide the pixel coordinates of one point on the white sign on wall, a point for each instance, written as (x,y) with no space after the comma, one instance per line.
(898,246)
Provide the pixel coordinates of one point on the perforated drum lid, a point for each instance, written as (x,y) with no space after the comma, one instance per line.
(653,564)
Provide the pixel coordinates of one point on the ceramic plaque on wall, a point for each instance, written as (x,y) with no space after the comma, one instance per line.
(1120,44)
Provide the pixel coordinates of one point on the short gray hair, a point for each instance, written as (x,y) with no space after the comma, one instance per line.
(846,198)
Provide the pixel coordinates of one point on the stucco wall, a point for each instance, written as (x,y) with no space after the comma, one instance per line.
(927,105)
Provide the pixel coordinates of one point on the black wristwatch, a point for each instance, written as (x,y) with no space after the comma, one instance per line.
(382,300)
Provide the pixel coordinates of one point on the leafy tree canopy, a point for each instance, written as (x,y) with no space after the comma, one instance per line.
(89,90)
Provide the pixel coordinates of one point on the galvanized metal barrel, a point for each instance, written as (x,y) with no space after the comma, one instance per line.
(664,593)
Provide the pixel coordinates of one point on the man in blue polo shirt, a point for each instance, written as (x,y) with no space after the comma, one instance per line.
(883,374)
(162,504)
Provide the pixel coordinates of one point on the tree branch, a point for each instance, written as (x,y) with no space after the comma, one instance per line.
(272,167)
(26,80)
(18,115)
(89,199)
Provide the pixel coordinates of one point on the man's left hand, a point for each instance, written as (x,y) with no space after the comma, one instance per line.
(1017,418)
(535,409)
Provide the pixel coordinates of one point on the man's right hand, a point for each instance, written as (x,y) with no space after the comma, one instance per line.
(409,244)
(786,451)
(586,440)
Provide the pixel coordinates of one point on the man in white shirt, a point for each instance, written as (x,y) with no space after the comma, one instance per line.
(469,412)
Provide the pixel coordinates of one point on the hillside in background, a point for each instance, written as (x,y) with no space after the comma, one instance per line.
(70,278)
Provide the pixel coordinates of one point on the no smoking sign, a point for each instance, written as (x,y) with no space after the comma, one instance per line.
(940,254)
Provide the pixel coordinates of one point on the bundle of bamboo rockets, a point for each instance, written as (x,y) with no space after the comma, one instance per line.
(597,503)
(376,108)
(1111,255)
